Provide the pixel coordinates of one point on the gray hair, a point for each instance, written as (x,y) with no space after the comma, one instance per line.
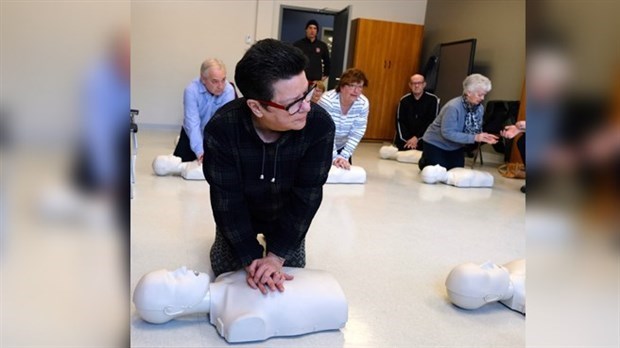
(211,63)
(476,81)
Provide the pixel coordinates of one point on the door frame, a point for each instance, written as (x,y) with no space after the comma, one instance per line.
(333,76)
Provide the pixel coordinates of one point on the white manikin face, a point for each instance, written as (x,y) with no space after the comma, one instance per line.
(471,286)
(434,174)
(166,164)
(161,295)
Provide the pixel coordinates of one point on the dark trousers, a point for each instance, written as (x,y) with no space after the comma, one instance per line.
(183,149)
(224,259)
(433,155)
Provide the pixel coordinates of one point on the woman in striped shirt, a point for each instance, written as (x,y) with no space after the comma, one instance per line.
(348,108)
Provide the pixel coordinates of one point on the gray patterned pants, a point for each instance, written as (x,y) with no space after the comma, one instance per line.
(223,258)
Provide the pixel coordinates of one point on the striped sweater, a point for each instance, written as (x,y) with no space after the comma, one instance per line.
(350,128)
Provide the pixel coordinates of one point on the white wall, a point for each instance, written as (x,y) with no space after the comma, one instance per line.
(46,51)
(169,42)
(498,26)
(171,39)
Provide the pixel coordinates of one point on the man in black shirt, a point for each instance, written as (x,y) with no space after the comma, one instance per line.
(266,158)
(317,52)
(416,111)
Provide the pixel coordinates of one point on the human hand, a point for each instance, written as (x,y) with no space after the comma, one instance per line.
(265,274)
(412,143)
(200,157)
(342,163)
(279,278)
(486,138)
(510,132)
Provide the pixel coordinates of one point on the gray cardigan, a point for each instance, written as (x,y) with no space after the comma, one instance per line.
(446,131)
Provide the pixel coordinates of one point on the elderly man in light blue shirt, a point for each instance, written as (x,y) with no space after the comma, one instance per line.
(201,99)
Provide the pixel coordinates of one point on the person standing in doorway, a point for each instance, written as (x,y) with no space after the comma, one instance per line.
(319,64)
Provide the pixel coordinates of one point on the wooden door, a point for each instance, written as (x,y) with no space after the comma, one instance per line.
(388,53)
(370,54)
(370,57)
(402,56)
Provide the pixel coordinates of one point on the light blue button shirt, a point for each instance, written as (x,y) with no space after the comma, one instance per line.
(199,106)
(106,100)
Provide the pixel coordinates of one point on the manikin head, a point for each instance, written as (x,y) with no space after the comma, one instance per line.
(434,174)
(162,295)
(471,286)
(388,152)
(166,164)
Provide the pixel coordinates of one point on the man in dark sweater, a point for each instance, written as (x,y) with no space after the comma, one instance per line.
(267,157)
(416,111)
(317,52)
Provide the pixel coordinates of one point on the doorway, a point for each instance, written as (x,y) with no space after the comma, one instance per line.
(333,29)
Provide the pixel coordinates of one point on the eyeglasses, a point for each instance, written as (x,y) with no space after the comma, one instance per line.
(296,105)
(360,87)
(417,83)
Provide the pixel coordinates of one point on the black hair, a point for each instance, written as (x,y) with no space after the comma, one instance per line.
(265,63)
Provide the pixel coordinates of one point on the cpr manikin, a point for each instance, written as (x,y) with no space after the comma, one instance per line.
(459,177)
(407,156)
(313,301)
(471,286)
(354,175)
(172,165)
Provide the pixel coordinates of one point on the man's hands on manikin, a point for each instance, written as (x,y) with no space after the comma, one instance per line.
(412,143)
(266,274)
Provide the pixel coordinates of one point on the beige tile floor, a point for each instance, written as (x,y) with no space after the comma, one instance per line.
(390,243)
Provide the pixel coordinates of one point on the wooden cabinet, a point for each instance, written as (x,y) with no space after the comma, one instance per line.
(388,53)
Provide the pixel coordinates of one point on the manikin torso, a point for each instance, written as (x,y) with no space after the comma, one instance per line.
(516,269)
(172,165)
(354,175)
(313,301)
(406,156)
(459,177)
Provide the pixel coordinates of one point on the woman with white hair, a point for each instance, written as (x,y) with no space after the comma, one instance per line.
(458,123)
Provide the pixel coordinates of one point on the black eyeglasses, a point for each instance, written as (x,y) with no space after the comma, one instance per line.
(296,105)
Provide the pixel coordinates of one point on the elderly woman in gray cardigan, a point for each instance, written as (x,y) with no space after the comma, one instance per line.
(459,123)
